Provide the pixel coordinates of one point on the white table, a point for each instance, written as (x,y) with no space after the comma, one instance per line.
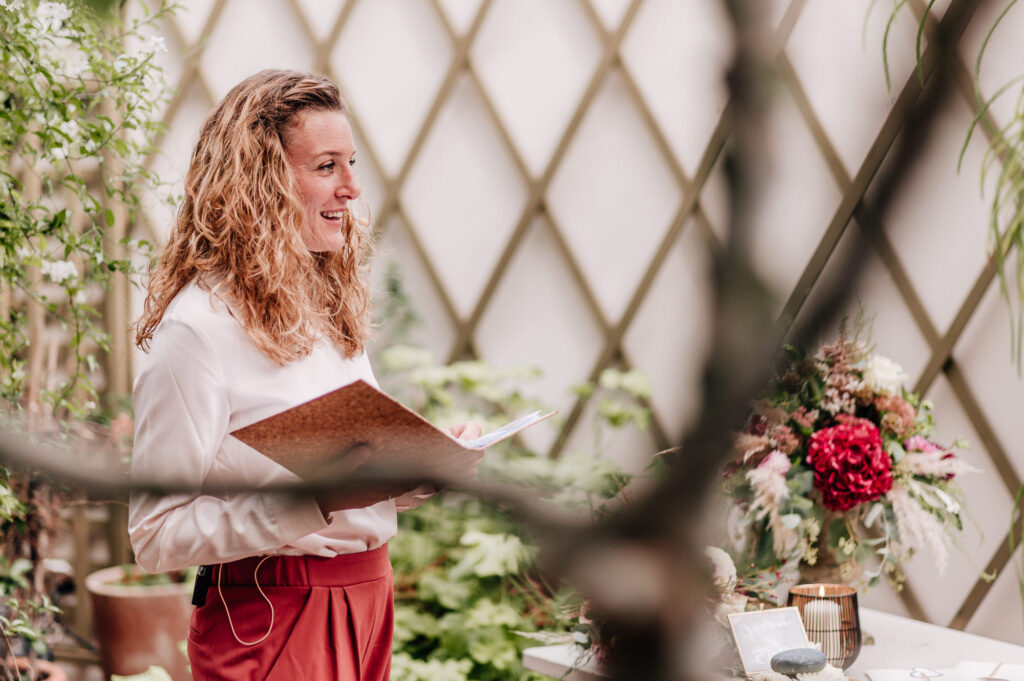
(900,643)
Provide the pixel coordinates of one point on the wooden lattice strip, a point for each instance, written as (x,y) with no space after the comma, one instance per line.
(691,191)
(885,139)
(191,71)
(537,190)
(393,189)
(462,45)
(514,242)
(1007,473)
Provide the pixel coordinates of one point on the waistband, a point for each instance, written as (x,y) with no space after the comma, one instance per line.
(342,570)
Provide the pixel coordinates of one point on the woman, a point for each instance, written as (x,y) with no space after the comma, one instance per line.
(258,304)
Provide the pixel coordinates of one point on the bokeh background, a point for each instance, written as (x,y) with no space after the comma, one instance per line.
(547,176)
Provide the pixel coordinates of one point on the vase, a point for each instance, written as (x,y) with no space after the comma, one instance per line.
(826,570)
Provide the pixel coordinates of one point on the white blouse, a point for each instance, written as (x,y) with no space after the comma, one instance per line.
(203,379)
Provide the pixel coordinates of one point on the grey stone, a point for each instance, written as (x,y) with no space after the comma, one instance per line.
(799,661)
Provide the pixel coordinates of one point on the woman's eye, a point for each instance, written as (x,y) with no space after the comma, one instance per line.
(352,162)
(327,166)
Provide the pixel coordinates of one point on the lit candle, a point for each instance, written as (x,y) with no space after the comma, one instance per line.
(821,617)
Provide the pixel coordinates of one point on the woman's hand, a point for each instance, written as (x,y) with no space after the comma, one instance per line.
(464,469)
(464,431)
(467,465)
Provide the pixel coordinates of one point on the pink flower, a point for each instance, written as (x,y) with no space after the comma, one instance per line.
(785,440)
(776,462)
(920,444)
(898,415)
(804,418)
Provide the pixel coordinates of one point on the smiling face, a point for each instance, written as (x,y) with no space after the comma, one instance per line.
(322,156)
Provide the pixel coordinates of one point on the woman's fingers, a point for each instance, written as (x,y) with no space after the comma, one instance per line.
(464,431)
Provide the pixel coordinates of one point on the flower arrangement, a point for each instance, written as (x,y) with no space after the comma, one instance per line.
(837,463)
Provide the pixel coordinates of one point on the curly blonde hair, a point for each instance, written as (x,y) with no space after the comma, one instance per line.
(238,228)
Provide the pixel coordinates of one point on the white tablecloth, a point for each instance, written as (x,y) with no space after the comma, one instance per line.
(900,643)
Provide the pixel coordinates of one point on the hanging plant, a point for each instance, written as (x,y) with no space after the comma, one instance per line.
(1003,161)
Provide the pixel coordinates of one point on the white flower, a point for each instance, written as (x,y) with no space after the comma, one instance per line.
(723,571)
(59,270)
(50,16)
(70,128)
(917,527)
(13,5)
(74,62)
(59,153)
(884,375)
(728,604)
(154,44)
(768,482)
(935,464)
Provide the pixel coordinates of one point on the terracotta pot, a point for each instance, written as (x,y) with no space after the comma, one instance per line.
(137,626)
(45,671)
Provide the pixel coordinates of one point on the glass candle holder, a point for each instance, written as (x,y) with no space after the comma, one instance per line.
(831,618)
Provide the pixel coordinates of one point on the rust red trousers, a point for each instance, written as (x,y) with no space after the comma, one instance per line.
(332,620)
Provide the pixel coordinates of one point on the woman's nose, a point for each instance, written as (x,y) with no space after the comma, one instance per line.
(349,186)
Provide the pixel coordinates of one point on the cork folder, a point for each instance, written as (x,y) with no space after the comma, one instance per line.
(318,435)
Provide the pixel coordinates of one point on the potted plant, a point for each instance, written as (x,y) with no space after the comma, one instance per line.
(140,620)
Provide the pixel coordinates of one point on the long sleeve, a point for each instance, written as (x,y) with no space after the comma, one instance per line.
(182,410)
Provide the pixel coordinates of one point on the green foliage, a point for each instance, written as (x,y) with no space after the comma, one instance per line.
(77,100)
(462,590)
(77,97)
(464,583)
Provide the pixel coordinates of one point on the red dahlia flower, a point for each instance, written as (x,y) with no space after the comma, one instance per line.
(850,465)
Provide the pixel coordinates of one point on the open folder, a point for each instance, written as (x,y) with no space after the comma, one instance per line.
(360,422)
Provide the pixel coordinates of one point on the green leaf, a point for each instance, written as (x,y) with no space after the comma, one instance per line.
(453,594)
(862,554)
(790,520)
(837,530)
(895,450)
(491,555)
(411,623)
(873,513)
